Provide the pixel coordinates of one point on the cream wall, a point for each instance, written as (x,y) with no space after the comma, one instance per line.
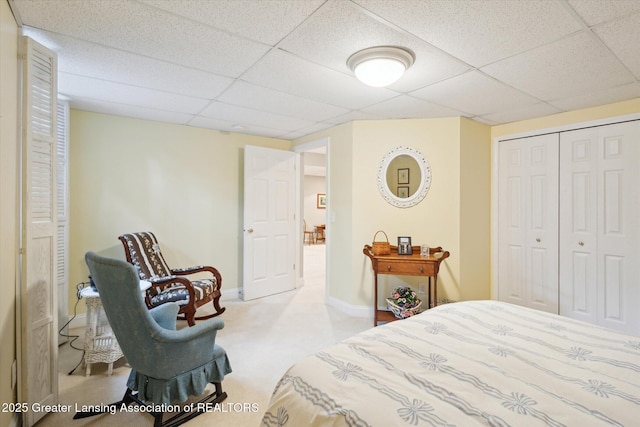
(340,215)
(183,183)
(9,235)
(355,150)
(475,209)
(576,116)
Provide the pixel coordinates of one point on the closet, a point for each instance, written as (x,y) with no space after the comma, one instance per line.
(568,230)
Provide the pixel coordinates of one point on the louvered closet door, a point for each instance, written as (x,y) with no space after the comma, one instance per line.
(528,222)
(39,349)
(62,218)
(600,226)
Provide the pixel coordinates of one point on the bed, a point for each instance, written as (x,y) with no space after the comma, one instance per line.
(465,364)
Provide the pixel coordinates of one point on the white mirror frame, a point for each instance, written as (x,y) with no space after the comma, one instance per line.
(425,177)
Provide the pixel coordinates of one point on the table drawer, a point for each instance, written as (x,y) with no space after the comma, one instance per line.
(408,268)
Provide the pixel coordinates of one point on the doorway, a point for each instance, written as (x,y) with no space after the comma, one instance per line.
(314,208)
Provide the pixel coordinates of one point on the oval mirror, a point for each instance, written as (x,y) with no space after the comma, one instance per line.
(404,177)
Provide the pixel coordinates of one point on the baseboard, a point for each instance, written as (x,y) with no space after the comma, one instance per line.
(230,294)
(350,309)
(80,321)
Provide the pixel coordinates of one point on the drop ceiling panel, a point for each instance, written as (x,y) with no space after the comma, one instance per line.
(238,115)
(623,38)
(479,32)
(287,73)
(592,99)
(469,92)
(407,107)
(85,87)
(115,109)
(318,127)
(340,29)
(597,11)
(353,116)
(252,96)
(566,68)
(80,57)
(227,126)
(144,30)
(522,113)
(262,21)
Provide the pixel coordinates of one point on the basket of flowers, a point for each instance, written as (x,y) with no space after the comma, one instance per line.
(404,302)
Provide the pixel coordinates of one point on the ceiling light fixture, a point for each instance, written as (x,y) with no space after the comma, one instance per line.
(380,66)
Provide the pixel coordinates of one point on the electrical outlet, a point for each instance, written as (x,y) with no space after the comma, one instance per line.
(422,288)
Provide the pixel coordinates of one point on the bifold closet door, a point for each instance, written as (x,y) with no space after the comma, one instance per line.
(528,222)
(600,225)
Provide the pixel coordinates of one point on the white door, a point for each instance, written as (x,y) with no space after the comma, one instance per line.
(600,229)
(38,321)
(528,222)
(269,222)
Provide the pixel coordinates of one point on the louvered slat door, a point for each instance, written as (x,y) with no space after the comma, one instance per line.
(39,349)
(62,215)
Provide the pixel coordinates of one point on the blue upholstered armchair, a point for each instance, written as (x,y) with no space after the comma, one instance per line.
(168,365)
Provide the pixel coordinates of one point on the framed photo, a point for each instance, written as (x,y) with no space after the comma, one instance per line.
(404,245)
(403,176)
(403,192)
(322,201)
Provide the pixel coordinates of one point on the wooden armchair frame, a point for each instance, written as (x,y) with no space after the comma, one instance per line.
(143,251)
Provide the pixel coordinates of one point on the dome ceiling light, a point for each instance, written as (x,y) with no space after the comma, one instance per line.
(380,66)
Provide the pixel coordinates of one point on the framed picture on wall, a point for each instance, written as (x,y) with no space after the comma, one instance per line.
(403,176)
(322,201)
(403,192)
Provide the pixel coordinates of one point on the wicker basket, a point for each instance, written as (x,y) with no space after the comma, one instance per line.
(400,312)
(380,248)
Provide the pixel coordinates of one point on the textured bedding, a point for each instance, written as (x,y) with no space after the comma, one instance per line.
(465,364)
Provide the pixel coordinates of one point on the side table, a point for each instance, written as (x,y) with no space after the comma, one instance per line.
(405,265)
(100,345)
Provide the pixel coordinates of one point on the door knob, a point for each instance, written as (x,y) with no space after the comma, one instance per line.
(581,243)
(538,240)
(250,230)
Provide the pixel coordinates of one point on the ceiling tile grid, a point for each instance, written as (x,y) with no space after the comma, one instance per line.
(277,68)
(478,32)
(261,98)
(568,67)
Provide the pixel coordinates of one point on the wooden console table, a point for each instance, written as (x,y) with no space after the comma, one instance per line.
(405,265)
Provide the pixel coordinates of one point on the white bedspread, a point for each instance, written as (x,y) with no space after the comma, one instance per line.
(465,364)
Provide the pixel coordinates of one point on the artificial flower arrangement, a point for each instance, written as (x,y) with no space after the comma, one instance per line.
(404,302)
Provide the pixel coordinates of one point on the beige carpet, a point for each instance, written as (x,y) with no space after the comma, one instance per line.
(262,338)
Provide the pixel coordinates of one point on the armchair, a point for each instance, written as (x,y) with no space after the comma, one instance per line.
(172,285)
(168,365)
